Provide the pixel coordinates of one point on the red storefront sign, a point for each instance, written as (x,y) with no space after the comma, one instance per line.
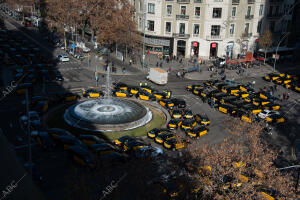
(195,44)
(213,45)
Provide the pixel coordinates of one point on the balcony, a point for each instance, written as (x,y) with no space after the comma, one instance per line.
(249,17)
(183,1)
(235,2)
(214,37)
(182,17)
(198,1)
(251,1)
(181,35)
(247,35)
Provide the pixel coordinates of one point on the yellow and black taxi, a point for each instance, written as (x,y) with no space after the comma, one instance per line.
(252,108)
(132,145)
(196,132)
(271,77)
(121,93)
(275,119)
(188,124)
(187,114)
(133,89)
(179,103)
(68,141)
(193,86)
(176,114)
(159,95)
(67,96)
(171,189)
(173,144)
(120,86)
(166,103)
(281,81)
(56,132)
(174,124)
(271,106)
(288,85)
(227,109)
(230,89)
(228,99)
(92,93)
(102,149)
(120,141)
(206,92)
(163,137)
(296,88)
(265,192)
(168,94)
(155,132)
(241,94)
(197,91)
(246,118)
(265,95)
(147,88)
(21,88)
(202,119)
(145,96)
(90,139)
(44,139)
(211,82)
(230,183)
(246,88)
(82,156)
(217,96)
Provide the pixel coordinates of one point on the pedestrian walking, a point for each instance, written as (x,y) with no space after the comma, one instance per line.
(157,64)
(160,65)
(130,62)
(283,96)
(169,69)
(275,87)
(124,70)
(287,96)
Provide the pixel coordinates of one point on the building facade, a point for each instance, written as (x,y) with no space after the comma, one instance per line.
(200,28)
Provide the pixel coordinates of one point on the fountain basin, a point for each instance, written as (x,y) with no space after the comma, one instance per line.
(107,115)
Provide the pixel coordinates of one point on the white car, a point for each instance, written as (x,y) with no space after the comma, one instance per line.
(266,113)
(63,58)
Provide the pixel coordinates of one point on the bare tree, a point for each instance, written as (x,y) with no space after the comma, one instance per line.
(265,41)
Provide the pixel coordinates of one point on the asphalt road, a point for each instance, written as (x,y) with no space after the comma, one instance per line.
(54,165)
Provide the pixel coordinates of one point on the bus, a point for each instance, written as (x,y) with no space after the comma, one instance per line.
(282,52)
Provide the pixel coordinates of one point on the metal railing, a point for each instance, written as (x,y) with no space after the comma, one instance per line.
(213,37)
(198,1)
(249,17)
(181,35)
(235,2)
(183,1)
(251,1)
(182,17)
(247,34)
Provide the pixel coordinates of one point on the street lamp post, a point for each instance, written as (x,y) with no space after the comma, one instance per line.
(144,29)
(278,47)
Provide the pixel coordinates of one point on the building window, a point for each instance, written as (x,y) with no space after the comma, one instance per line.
(272,26)
(169,10)
(271,11)
(247,28)
(182,28)
(151,8)
(249,11)
(140,22)
(215,30)
(259,26)
(150,25)
(196,29)
(183,10)
(233,11)
(168,27)
(261,10)
(217,13)
(197,11)
(231,29)
(141,5)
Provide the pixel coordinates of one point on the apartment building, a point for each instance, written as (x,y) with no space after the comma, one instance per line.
(201,28)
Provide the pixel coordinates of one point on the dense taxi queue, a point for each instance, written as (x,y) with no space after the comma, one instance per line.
(286,80)
(239,100)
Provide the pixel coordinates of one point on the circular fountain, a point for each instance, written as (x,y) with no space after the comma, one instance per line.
(108,114)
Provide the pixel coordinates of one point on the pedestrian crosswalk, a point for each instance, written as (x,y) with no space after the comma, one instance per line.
(69,68)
